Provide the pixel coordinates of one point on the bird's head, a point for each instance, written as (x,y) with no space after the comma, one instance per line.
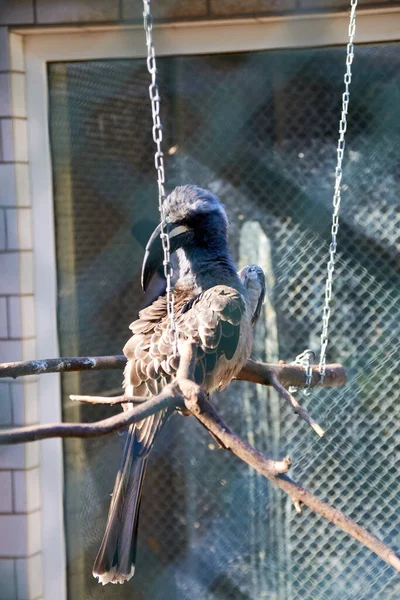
(253,279)
(195,219)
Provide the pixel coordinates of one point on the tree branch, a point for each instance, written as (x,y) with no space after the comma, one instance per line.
(289,374)
(185,393)
(253,371)
(276,375)
(61,365)
(299,410)
(110,400)
(170,396)
(209,418)
(187,361)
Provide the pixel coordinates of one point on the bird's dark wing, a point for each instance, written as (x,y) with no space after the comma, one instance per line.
(212,319)
(214,322)
(151,363)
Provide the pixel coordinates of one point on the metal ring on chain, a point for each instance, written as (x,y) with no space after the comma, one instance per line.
(304,360)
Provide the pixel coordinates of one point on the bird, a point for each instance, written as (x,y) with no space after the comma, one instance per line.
(216,307)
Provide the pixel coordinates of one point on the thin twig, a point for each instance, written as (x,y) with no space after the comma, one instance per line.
(110,400)
(208,417)
(169,396)
(298,409)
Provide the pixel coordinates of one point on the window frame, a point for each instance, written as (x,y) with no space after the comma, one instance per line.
(63,44)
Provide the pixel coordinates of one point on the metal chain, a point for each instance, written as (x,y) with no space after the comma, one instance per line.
(159,164)
(337,192)
(304,360)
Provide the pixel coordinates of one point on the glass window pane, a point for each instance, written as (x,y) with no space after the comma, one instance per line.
(259,130)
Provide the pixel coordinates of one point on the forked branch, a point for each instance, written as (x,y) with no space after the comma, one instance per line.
(169,396)
(277,375)
(184,393)
(206,414)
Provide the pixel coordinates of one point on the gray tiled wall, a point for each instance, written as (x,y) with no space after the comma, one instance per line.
(45,12)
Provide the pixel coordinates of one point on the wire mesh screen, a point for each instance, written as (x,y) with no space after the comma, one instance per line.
(260,131)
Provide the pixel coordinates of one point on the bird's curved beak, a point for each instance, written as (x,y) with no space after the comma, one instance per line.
(154,255)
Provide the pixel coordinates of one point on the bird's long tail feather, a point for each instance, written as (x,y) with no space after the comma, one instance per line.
(115,561)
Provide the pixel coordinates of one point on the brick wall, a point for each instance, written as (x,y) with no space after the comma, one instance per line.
(20,525)
(46,12)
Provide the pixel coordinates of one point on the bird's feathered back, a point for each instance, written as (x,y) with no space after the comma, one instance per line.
(212,319)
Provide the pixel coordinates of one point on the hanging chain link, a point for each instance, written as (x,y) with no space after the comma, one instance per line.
(159,164)
(337,193)
(304,360)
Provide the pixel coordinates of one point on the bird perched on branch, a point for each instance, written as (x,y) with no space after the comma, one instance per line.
(215,307)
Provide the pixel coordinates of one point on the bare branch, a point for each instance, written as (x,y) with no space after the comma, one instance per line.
(61,365)
(259,372)
(262,372)
(110,400)
(169,396)
(195,401)
(299,410)
(256,372)
(187,361)
(206,414)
